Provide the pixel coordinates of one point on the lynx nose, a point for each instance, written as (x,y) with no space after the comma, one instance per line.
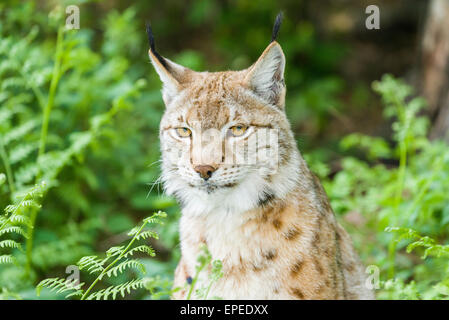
(205,171)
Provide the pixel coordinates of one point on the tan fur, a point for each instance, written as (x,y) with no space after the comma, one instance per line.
(285,246)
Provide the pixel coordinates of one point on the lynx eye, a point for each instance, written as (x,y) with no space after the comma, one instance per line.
(183,132)
(238,130)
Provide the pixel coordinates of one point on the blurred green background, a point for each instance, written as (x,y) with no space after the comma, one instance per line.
(98,94)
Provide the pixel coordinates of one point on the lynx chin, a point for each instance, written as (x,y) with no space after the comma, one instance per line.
(266,218)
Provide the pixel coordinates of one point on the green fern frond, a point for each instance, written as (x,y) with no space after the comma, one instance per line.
(9,244)
(13,219)
(156,218)
(115,251)
(13,82)
(59,285)
(121,289)
(21,219)
(19,132)
(6,258)
(143,248)
(108,268)
(93,264)
(147,234)
(80,141)
(5,113)
(6,66)
(431,247)
(22,205)
(21,151)
(127,264)
(26,173)
(13,229)
(134,231)
(404,233)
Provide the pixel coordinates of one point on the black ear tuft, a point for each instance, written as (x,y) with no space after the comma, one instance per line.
(277,26)
(150,36)
(153,46)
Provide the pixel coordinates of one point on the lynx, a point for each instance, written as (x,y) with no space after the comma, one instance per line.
(268,220)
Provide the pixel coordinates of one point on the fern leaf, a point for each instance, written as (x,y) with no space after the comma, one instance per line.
(5,114)
(19,132)
(5,66)
(127,264)
(133,231)
(6,258)
(20,219)
(93,264)
(13,229)
(9,244)
(21,151)
(143,248)
(13,82)
(26,173)
(121,289)
(115,251)
(15,208)
(59,285)
(147,234)
(156,218)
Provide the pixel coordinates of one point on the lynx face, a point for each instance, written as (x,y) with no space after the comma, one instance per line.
(225,138)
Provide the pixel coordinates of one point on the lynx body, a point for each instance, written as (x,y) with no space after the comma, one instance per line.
(269,222)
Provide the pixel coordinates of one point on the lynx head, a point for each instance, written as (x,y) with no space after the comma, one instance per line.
(225,139)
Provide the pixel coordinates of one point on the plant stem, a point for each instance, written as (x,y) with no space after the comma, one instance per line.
(192,286)
(56,75)
(195,278)
(401,175)
(100,276)
(400,182)
(8,170)
(208,290)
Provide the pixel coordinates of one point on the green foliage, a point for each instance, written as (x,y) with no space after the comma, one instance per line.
(15,220)
(430,245)
(204,260)
(439,289)
(401,186)
(115,262)
(59,104)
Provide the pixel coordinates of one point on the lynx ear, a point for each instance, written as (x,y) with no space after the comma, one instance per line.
(171,74)
(266,76)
